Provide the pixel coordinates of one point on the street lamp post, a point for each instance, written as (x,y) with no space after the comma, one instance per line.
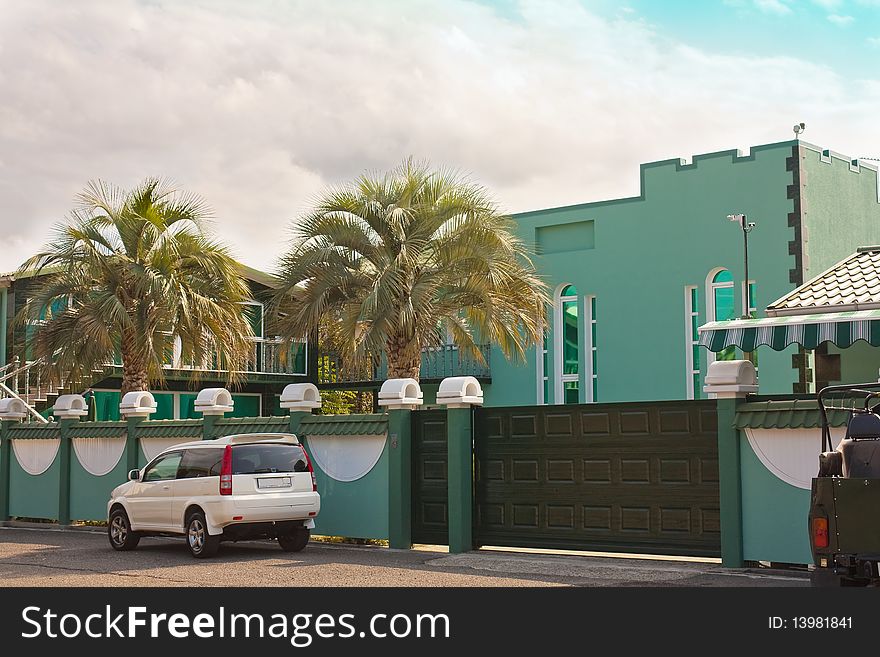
(746,227)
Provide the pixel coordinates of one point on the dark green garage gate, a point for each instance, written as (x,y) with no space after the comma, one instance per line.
(633,477)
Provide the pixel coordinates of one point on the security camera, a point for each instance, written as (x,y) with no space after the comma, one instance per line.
(799,128)
(736,217)
(751,224)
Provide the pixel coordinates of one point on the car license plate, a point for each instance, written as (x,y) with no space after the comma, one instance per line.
(274,482)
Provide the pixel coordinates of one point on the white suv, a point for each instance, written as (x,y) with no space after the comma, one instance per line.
(233,488)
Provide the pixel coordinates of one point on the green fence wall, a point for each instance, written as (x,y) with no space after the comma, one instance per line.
(357,509)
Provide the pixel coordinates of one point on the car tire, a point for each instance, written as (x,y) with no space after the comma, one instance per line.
(119,531)
(200,543)
(295,541)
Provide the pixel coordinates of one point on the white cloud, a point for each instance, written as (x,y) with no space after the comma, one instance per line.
(778,7)
(259,106)
(840,21)
(874,41)
(827,4)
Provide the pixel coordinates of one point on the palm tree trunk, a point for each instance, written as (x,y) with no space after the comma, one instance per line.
(404,358)
(134,369)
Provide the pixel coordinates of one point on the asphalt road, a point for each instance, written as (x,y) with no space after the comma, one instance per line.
(39,557)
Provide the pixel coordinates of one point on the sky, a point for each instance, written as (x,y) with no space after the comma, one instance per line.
(261,106)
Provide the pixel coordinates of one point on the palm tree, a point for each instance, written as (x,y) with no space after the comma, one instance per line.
(397,261)
(129,272)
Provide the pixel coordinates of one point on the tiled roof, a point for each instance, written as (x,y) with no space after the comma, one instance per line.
(233,425)
(852,284)
(170,429)
(344,425)
(795,414)
(33,430)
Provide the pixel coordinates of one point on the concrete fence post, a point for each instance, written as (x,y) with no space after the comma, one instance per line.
(400,397)
(132,446)
(213,404)
(730,381)
(68,409)
(300,399)
(460,394)
(5,455)
(135,407)
(12,411)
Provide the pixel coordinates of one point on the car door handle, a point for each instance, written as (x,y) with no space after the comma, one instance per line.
(166,487)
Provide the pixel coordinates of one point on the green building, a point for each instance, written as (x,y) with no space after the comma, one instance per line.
(633,278)
(273,364)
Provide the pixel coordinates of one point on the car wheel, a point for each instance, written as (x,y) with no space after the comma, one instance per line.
(201,544)
(119,531)
(295,541)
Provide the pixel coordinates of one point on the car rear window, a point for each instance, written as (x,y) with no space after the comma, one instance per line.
(257,459)
(201,462)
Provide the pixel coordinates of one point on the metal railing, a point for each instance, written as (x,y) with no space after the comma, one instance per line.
(24,381)
(267,356)
(437,363)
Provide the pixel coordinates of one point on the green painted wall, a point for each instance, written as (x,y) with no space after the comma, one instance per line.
(645,251)
(355,509)
(859,363)
(106,405)
(840,208)
(245,406)
(774,514)
(89,494)
(33,496)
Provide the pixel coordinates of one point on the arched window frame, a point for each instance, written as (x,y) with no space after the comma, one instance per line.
(711,287)
(560,378)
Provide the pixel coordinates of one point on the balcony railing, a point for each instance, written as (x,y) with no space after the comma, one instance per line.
(267,356)
(276,356)
(437,363)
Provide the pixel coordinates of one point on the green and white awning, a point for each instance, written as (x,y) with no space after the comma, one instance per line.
(808,331)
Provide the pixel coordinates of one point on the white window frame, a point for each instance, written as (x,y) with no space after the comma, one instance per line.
(560,379)
(690,312)
(711,286)
(540,354)
(589,323)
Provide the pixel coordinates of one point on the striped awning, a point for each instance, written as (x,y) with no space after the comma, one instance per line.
(808,331)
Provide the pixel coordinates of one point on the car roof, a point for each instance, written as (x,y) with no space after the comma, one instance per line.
(239,439)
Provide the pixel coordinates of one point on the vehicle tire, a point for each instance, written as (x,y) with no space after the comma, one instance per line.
(119,531)
(200,543)
(294,541)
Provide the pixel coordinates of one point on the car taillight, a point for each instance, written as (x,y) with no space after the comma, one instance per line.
(311,470)
(820,532)
(226,472)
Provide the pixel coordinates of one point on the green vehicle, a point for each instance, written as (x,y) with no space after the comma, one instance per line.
(845,502)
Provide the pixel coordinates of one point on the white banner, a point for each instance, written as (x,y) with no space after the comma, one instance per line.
(35,456)
(99,455)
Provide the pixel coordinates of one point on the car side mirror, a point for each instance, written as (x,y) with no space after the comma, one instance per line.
(134,475)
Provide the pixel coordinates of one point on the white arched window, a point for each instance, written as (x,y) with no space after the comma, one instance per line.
(720,305)
(567,346)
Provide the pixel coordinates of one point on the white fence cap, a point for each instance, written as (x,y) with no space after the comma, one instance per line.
(460,392)
(12,409)
(70,406)
(731,378)
(301,397)
(139,403)
(214,401)
(401,393)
